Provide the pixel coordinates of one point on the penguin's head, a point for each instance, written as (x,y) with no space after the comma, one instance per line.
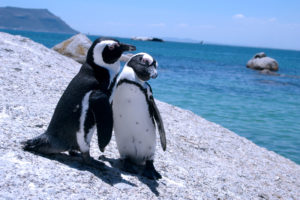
(106,51)
(144,66)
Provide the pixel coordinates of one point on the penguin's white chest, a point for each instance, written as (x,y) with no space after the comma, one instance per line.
(84,143)
(133,126)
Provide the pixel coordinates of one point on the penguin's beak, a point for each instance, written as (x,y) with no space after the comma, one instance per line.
(127,47)
(153,73)
(154,76)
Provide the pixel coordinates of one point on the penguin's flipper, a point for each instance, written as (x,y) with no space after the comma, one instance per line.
(159,122)
(102,111)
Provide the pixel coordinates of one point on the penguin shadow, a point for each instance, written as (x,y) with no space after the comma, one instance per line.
(118,163)
(107,174)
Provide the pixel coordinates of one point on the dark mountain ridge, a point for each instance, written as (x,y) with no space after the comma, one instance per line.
(40,20)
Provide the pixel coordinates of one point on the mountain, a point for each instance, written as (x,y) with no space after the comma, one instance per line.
(40,20)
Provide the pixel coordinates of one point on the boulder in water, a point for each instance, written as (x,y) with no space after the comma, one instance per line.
(261,62)
(268,72)
(153,39)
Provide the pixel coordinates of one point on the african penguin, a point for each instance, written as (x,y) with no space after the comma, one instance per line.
(135,114)
(84,105)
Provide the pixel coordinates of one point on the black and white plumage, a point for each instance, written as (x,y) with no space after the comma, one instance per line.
(84,105)
(135,114)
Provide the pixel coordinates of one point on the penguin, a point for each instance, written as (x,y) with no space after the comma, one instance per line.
(136,115)
(84,105)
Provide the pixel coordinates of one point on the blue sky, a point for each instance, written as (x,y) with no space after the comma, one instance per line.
(268,23)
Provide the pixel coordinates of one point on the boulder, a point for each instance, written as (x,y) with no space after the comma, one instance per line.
(75,47)
(126,57)
(260,62)
(268,72)
(260,55)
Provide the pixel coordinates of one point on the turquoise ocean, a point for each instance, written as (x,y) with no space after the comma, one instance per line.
(213,82)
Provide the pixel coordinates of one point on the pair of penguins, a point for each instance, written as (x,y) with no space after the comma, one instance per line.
(99,98)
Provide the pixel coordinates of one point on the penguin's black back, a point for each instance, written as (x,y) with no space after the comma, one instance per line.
(65,120)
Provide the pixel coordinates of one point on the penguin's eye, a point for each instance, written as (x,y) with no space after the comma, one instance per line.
(111,47)
(145,61)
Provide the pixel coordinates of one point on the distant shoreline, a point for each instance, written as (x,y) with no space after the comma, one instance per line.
(11,31)
(23,30)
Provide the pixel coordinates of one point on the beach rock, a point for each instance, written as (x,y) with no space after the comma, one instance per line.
(126,57)
(260,55)
(75,47)
(260,62)
(269,72)
(203,160)
(147,39)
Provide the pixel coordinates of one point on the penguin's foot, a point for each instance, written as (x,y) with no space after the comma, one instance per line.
(39,144)
(87,159)
(128,166)
(150,171)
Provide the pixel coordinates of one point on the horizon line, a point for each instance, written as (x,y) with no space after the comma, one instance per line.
(190,41)
(168,39)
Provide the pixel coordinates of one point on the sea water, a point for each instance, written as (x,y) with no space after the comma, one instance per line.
(213,82)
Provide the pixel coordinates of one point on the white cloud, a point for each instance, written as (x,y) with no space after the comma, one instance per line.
(238,16)
(254,19)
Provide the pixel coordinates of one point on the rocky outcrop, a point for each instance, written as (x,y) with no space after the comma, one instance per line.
(126,57)
(268,72)
(75,47)
(261,62)
(203,160)
(147,39)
